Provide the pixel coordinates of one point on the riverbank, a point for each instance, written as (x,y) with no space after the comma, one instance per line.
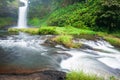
(50,75)
(41,75)
(88,34)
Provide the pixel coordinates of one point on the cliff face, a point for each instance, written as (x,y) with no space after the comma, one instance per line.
(8,12)
(8,8)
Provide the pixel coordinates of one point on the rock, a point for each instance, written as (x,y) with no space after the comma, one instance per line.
(43,75)
(86,47)
(49,42)
(59,56)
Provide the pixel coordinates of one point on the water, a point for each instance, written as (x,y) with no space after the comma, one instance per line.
(101,59)
(24,53)
(22,19)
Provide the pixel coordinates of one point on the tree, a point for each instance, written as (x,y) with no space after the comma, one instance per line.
(109,15)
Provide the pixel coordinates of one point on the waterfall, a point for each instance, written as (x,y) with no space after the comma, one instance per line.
(22,19)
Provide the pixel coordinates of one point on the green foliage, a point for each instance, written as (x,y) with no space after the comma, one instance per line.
(5,22)
(108,15)
(47,30)
(66,40)
(26,30)
(65,30)
(13,30)
(34,22)
(99,15)
(77,15)
(40,8)
(116,34)
(56,30)
(8,12)
(112,39)
(81,76)
(76,31)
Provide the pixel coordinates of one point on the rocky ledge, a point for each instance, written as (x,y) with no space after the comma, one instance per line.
(42,75)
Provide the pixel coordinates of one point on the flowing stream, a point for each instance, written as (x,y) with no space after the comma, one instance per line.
(24,53)
(99,57)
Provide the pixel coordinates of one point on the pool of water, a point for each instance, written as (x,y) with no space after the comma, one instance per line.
(24,53)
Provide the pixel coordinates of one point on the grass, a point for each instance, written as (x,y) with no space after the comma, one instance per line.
(26,30)
(112,39)
(66,40)
(48,30)
(81,76)
(74,31)
(67,31)
(54,30)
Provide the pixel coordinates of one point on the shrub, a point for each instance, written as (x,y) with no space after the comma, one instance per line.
(79,24)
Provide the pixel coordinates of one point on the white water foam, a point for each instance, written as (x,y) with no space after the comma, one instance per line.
(100,44)
(22,19)
(102,60)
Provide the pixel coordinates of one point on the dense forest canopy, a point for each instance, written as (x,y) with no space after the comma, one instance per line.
(44,7)
(95,14)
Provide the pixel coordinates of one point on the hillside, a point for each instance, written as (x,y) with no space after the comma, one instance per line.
(103,15)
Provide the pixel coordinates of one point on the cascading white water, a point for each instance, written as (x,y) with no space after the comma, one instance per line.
(100,58)
(22,19)
(28,52)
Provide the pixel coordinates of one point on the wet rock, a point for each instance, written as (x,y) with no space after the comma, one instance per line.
(60,56)
(49,42)
(21,4)
(118,70)
(43,75)
(86,47)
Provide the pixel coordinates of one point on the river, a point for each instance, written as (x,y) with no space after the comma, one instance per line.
(25,53)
